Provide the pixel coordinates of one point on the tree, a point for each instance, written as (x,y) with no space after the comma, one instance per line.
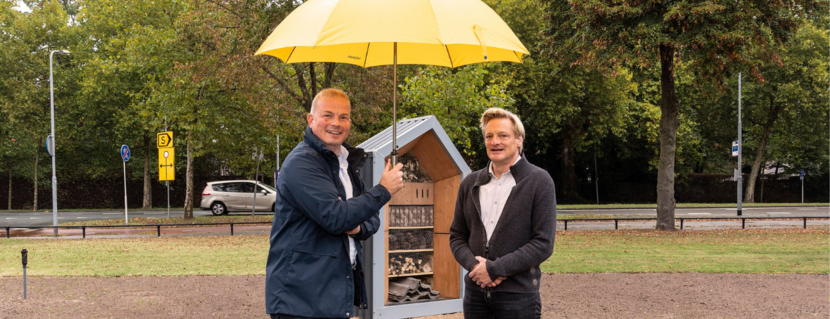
(565,110)
(27,39)
(795,90)
(457,97)
(713,36)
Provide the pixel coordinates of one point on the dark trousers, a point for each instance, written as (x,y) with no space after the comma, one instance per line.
(279,316)
(501,305)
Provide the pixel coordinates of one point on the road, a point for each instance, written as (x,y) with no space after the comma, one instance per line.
(25,218)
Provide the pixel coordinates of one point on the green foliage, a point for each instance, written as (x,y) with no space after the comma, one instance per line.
(590,85)
(457,98)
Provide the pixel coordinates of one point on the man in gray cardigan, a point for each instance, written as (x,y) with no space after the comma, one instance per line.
(504,225)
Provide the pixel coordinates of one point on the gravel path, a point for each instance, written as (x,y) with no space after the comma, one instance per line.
(563,296)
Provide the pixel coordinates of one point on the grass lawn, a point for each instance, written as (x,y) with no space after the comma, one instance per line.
(719,251)
(710,251)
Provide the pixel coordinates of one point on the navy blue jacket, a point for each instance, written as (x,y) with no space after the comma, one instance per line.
(309,272)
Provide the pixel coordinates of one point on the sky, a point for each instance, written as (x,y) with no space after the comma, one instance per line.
(21,7)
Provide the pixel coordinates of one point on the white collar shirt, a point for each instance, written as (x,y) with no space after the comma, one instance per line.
(342,157)
(492,197)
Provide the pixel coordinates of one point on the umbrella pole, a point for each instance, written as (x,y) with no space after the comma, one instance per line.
(395,106)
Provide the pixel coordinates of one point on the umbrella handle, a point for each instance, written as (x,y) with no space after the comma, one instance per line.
(395,106)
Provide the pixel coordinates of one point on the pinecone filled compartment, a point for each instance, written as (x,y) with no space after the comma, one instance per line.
(410,239)
(410,264)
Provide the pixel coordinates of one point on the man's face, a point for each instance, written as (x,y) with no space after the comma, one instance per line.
(331,122)
(501,142)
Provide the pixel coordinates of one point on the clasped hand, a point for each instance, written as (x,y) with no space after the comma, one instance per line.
(480,275)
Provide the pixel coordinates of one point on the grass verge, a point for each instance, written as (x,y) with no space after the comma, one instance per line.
(622,251)
(715,251)
(175,220)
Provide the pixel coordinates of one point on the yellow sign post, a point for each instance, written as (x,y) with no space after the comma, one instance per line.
(165,139)
(167,163)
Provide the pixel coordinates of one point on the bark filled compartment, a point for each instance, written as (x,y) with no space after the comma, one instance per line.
(414,263)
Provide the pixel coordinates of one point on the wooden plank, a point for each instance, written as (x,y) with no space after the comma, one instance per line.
(410,250)
(446,193)
(434,157)
(414,194)
(446,270)
(412,275)
(404,149)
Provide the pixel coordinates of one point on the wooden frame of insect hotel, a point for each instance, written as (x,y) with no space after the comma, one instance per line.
(410,270)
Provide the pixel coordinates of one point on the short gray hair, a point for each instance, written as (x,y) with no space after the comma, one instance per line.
(499,113)
(327,94)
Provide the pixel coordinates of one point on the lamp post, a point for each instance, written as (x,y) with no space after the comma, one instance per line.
(54,142)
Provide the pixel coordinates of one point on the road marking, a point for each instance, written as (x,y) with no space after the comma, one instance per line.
(34,217)
(806,209)
(112,213)
(11,217)
(786,213)
(700,213)
(80,217)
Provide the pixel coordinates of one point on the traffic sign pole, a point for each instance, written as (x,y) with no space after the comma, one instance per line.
(125,156)
(126,214)
(801,176)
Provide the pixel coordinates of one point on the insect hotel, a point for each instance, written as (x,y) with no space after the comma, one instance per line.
(410,270)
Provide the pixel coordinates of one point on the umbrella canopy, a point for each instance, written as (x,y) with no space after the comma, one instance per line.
(368,33)
(448,33)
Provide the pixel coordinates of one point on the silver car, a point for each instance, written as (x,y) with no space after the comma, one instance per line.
(237,196)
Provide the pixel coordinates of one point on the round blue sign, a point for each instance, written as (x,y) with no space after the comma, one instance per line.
(125,153)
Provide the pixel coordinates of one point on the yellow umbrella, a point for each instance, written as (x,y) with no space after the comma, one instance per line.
(368,33)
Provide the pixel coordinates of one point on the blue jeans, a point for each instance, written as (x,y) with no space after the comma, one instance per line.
(501,305)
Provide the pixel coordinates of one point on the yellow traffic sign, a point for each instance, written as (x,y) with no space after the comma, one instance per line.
(167,164)
(165,139)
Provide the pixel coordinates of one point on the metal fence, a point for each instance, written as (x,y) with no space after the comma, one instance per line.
(157,227)
(682,219)
(565,221)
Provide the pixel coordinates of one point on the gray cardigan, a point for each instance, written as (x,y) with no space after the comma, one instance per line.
(523,237)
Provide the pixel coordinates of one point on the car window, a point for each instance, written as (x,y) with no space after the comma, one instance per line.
(259,188)
(268,187)
(219,187)
(233,187)
(246,187)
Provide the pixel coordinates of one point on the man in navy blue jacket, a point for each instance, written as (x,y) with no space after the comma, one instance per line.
(323,209)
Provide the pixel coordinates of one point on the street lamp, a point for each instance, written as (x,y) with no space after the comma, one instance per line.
(54,143)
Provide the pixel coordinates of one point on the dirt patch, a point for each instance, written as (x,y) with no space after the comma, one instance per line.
(563,296)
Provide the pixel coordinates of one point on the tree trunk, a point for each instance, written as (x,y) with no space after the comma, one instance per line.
(148,188)
(10,189)
(759,153)
(761,177)
(569,193)
(188,199)
(37,157)
(670,109)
